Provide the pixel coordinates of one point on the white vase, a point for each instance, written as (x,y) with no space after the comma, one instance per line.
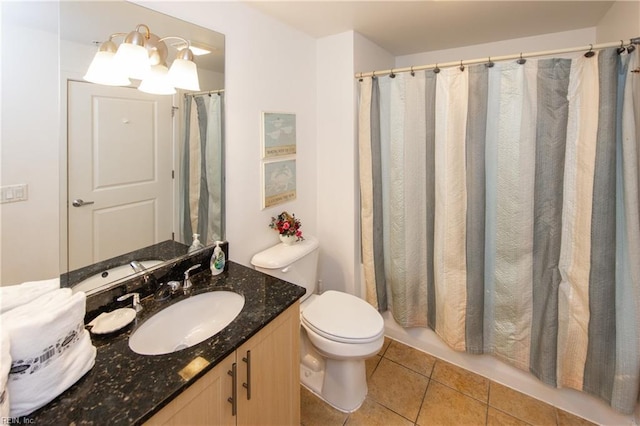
(288,239)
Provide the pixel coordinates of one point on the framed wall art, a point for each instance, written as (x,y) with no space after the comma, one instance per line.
(278,134)
(278,182)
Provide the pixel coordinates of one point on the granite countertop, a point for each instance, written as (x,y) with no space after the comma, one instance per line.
(126,388)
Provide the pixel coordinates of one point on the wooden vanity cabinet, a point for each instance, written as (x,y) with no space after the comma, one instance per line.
(267,383)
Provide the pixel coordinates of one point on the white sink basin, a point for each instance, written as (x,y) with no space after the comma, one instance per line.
(96,281)
(186,323)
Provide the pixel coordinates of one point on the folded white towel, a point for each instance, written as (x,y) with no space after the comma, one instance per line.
(50,349)
(15,295)
(5,365)
(37,389)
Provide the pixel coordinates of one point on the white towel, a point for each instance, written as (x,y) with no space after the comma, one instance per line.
(15,295)
(5,366)
(50,349)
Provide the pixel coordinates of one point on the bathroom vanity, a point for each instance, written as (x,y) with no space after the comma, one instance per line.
(254,385)
(248,373)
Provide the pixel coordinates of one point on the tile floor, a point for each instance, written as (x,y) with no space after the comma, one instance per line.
(410,387)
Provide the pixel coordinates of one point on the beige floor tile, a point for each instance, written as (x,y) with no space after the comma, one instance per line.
(398,388)
(373,414)
(521,406)
(445,406)
(315,412)
(371,364)
(385,345)
(462,380)
(498,418)
(568,419)
(409,357)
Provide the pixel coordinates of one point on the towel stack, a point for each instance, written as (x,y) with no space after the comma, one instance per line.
(50,349)
(16,295)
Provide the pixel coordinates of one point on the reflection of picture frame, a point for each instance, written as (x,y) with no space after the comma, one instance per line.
(278,134)
(278,182)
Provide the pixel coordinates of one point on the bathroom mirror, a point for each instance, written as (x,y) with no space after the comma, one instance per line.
(147,185)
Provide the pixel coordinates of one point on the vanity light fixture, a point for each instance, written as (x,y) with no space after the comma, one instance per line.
(197,48)
(143,56)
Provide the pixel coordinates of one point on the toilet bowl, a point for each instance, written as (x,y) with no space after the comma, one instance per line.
(338,330)
(333,332)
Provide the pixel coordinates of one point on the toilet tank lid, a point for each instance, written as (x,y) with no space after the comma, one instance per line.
(281,255)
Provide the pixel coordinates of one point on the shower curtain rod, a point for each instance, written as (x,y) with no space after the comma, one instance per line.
(206,92)
(491,59)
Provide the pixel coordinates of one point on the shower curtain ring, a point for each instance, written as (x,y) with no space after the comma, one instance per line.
(590,53)
(620,50)
(413,74)
(461,66)
(373,75)
(521,61)
(489,64)
(392,75)
(436,69)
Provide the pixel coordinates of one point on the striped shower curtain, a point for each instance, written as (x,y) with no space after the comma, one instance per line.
(499,207)
(202,169)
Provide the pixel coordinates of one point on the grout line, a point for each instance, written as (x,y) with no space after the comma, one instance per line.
(424,397)
(393,411)
(407,368)
(512,415)
(374,369)
(486,417)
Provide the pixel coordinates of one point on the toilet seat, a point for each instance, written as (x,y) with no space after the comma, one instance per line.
(344,318)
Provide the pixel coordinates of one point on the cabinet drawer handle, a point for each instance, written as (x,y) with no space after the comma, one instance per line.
(233,399)
(247,385)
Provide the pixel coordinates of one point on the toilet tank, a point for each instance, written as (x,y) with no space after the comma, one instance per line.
(296,263)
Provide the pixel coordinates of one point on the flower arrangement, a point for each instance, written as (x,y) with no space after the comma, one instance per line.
(287,225)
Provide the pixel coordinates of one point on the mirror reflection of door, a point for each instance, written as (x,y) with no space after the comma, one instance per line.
(119,171)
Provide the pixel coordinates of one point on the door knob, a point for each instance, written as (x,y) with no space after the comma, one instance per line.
(78,202)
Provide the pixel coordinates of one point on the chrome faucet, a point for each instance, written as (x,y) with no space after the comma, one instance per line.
(187,278)
(136,300)
(165,290)
(137,266)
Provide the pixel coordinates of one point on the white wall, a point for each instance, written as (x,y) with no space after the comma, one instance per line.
(337,193)
(339,56)
(29,229)
(622,22)
(369,56)
(269,67)
(566,39)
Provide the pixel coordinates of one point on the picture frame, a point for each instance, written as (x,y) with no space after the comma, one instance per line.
(278,134)
(278,182)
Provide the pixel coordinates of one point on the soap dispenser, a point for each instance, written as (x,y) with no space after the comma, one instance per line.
(196,245)
(217,260)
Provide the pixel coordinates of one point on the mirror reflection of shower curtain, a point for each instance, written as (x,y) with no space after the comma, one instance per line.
(201,183)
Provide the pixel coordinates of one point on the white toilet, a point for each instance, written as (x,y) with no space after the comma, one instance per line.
(339,331)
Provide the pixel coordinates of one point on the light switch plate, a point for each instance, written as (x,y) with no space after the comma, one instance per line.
(13,193)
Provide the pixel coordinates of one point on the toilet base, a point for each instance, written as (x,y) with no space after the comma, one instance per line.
(341,384)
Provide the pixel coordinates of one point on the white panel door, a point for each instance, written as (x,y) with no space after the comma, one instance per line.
(120,166)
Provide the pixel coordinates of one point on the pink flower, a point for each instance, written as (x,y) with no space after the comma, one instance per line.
(298,233)
(285,226)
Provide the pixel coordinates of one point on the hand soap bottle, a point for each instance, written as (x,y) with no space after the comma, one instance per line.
(196,245)
(217,260)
